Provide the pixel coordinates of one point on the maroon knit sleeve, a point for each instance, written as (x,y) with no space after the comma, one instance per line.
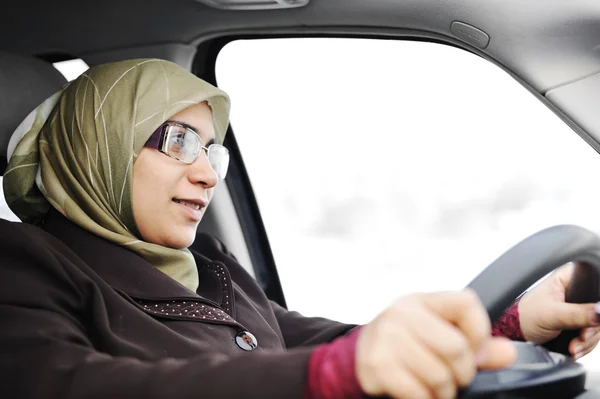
(331,370)
(331,366)
(508,325)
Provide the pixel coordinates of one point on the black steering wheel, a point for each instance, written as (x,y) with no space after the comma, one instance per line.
(548,371)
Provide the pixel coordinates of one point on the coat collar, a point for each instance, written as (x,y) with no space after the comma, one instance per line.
(122,269)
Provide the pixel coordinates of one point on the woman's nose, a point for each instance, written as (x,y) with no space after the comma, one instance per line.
(201,172)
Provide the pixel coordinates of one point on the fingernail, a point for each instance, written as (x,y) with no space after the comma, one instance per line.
(578,350)
(589,334)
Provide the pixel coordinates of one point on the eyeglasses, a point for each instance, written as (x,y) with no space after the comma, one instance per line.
(184,144)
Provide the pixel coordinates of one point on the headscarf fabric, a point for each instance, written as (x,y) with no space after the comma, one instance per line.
(76,151)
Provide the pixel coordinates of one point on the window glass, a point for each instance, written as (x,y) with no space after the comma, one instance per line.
(71,69)
(5,212)
(388,167)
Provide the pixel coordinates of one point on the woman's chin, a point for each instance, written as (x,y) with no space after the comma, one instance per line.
(177,241)
(182,243)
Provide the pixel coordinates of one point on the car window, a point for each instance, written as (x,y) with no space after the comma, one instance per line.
(71,69)
(5,212)
(388,167)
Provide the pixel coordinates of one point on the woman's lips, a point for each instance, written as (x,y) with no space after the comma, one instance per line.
(191,204)
(192,207)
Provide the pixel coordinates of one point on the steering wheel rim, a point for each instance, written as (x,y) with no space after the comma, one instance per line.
(511,275)
(530,260)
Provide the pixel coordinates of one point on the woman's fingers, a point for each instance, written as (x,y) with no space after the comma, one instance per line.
(380,367)
(582,349)
(464,310)
(427,368)
(446,342)
(589,339)
(588,333)
(572,315)
(405,385)
(587,349)
(428,345)
(471,319)
(543,313)
(496,353)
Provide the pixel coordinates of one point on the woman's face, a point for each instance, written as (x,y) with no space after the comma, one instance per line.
(167,192)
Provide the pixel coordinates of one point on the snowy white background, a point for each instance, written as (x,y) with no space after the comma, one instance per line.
(384,168)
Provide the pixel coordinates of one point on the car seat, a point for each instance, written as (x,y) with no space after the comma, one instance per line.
(25,82)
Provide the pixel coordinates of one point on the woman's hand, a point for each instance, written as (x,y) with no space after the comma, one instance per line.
(427,346)
(543,314)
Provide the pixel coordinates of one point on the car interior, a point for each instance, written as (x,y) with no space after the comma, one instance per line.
(550,48)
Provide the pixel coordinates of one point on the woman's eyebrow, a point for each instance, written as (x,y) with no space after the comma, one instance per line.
(184,125)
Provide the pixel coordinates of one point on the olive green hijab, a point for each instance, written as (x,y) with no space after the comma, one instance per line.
(75,152)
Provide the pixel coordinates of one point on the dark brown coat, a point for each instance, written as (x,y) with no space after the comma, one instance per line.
(84,318)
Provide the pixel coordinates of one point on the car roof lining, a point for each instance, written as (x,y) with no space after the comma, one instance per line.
(517,29)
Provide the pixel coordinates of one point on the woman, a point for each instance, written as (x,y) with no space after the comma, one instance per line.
(103,298)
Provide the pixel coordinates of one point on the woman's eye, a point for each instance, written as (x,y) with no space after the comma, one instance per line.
(179,139)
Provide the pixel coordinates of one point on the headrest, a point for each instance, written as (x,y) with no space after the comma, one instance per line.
(25,82)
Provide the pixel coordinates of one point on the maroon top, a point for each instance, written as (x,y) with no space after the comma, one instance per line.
(331,373)
(508,324)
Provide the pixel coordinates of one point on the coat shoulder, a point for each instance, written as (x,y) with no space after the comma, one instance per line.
(34,263)
(25,237)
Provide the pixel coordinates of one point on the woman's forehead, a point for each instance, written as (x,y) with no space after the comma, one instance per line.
(197,117)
